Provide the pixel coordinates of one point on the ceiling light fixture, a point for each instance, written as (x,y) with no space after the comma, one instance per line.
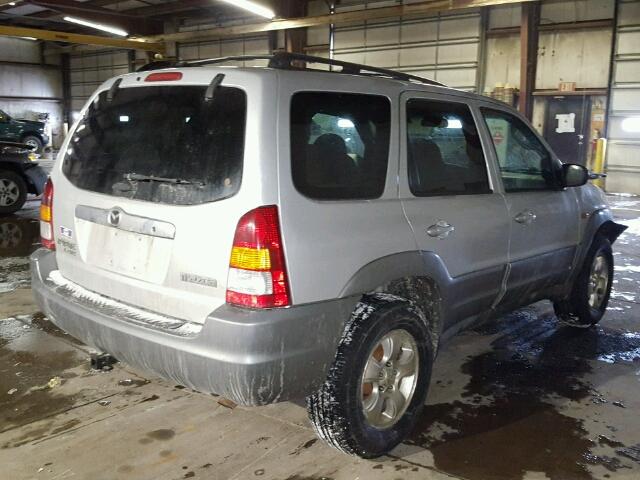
(97,26)
(252,7)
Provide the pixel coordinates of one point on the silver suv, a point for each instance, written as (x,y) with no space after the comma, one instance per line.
(276,233)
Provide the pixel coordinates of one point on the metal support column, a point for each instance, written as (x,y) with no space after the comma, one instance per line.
(528,55)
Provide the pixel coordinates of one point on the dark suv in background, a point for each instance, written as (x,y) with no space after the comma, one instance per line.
(24,131)
(19,176)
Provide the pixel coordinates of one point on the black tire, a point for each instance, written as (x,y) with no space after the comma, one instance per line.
(7,177)
(33,141)
(336,410)
(576,310)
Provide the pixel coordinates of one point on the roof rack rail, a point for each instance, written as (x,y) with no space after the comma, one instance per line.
(286,61)
(293,61)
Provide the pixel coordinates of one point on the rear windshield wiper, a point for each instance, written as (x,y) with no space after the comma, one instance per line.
(137,177)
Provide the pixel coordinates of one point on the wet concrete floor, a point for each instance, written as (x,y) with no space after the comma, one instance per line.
(518,398)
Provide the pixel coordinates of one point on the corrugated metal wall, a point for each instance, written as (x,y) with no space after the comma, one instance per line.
(581,56)
(502,53)
(19,82)
(623,154)
(89,69)
(248,45)
(318,37)
(445,48)
(257,45)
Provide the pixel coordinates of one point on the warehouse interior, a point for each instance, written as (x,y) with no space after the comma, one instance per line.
(572,67)
(544,57)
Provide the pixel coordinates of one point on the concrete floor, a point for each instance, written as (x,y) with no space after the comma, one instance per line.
(520,398)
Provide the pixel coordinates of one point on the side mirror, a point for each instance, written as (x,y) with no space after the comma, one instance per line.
(574,175)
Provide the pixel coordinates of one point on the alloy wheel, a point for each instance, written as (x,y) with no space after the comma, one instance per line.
(389,379)
(598,281)
(9,192)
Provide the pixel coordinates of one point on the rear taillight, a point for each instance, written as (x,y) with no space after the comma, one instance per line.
(46,217)
(257,273)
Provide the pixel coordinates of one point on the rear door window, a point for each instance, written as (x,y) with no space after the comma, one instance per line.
(339,144)
(161,144)
(445,154)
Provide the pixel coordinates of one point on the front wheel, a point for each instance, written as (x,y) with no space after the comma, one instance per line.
(378,382)
(590,293)
(13,192)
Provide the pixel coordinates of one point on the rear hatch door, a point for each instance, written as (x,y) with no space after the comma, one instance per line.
(146,201)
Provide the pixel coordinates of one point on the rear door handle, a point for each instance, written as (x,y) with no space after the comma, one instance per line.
(525,217)
(441,229)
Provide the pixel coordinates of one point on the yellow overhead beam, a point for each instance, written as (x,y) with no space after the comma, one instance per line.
(55,36)
(406,10)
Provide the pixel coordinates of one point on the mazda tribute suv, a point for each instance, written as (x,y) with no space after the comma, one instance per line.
(282,232)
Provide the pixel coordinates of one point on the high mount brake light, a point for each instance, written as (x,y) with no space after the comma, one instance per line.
(163,77)
(257,271)
(46,217)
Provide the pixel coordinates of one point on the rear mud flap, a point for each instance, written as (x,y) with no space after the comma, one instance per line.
(36,178)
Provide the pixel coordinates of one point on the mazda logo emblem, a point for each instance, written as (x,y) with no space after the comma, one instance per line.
(114,217)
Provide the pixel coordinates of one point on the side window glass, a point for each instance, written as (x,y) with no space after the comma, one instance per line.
(340,144)
(445,154)
(324,124)
(525,163)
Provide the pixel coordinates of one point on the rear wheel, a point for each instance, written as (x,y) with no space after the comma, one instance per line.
(13,192)
(589,296)
(378,383)
(34,142)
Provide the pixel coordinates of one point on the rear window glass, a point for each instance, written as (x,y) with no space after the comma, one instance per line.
(339,144)
(161,144)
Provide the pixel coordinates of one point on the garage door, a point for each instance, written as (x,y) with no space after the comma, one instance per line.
(444,47)
(623,157)
(89,69)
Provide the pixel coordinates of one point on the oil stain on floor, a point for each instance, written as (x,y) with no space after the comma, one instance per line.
(508,422)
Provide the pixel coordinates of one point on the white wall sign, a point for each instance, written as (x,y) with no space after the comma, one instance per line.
(566,123)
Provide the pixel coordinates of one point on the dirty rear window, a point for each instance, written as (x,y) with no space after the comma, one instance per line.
(161,144)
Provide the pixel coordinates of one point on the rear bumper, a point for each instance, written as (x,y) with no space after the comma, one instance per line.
(251,357)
